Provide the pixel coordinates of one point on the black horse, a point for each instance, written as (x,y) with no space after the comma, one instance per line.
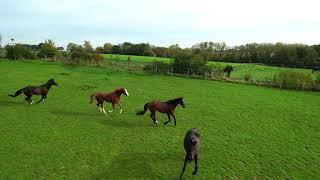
(36,90)
(192,147)
(168,107)
(228,69)
(316,69)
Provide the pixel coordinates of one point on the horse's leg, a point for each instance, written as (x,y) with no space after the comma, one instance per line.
(28,98)
(174,118)
(103,110)
(42,99)
(196,165)
(121,107)
(112,108)
(153,117)
(169,119)
(184,167)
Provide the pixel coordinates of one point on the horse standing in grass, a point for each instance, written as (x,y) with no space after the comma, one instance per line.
(113,97)
(316,69)
(168,107)
(192,147)
(36,90)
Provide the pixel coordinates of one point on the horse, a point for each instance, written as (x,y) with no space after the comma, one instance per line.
(168,107)
(112,97)
(228,69)
(36,90)
(316,69)
(192,147)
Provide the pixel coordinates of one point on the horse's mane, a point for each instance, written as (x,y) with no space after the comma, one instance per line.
(173,101)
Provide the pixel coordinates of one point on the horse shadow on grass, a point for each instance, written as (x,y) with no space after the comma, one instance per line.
(113,120)
(109,120)
(62,112)
(138,165)
(7,103)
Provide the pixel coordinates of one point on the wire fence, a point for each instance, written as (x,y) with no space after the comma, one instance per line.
(212,74)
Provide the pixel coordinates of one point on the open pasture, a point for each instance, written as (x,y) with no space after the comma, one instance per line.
(255,71)
(246,132)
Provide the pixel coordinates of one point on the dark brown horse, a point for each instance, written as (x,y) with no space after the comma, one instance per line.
(113,97)
(36,90)
(168,107)
(192,147)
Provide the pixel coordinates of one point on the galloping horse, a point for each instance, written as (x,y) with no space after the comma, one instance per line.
(168,107)
(113,97)
(36,90)
(316,69)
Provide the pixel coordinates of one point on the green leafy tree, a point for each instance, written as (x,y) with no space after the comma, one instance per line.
(48,49)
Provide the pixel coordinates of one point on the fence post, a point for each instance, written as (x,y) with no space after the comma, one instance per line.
(156,69)
(171,71)
(188,72)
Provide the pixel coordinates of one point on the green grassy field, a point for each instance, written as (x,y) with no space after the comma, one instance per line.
(139,59)
(257,72)
(247,132)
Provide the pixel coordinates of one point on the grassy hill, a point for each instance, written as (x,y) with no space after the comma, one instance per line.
(247,132)
(256,71)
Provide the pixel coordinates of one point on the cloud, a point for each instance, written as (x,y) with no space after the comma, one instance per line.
(161,22)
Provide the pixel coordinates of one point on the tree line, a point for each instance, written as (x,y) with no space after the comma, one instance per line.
(278,54)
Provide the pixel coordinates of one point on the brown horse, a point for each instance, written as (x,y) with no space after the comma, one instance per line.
(168,107)
(113,97)
(192,147)
(36,90)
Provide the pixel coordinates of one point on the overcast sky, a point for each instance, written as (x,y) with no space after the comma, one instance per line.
(161,22)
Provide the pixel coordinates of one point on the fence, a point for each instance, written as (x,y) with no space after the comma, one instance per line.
(212,74)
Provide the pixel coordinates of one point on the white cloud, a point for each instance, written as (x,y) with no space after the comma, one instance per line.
(166,21)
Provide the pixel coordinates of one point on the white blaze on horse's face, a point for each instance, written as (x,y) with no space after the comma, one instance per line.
(126,92)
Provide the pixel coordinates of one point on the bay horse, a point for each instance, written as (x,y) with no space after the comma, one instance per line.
(192,147)
(36,90)
(112,97)
(168,107)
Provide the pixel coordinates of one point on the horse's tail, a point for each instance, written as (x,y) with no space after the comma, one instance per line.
(17,93)
(92,98)
(146,107)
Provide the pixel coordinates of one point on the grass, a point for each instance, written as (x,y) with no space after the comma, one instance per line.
(247,132)
(138,59)
(257,72)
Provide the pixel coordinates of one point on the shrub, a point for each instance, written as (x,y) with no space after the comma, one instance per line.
(290,79)
(19,51)
(247,76)
(149,53)
(317,80)
(97,58)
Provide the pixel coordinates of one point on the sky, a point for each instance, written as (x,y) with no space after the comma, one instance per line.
(160,22)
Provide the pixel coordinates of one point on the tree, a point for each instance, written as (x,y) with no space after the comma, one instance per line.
(107,48)
(19,51)
(0,41)
(48,49)
(87,46)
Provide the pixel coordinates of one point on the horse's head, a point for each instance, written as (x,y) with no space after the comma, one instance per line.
(52,82)
(181,102)
(123,91)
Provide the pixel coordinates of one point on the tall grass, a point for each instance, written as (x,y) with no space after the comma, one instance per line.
(290,79)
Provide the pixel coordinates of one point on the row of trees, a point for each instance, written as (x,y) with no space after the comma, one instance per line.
(279,54)
(48,49)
